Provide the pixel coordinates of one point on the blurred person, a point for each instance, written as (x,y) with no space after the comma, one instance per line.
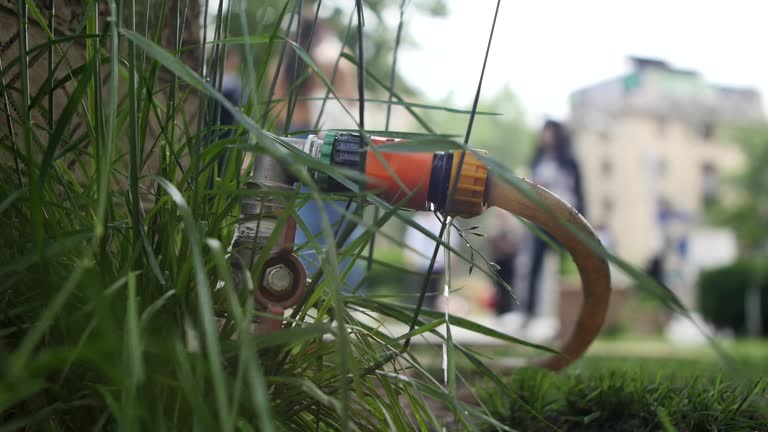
(504,245)
(670,241)
(231,86)
(220,121)
(670,266)
(418,254)
(555,168)
(655,266)
(298,118)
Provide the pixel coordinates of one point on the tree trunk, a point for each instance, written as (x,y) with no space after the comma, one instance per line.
(69,16)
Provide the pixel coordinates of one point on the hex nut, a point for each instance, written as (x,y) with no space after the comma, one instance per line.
(278,279)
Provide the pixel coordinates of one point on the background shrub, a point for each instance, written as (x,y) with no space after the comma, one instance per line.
(722,294)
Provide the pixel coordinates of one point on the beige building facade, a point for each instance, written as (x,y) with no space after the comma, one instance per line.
(656,139)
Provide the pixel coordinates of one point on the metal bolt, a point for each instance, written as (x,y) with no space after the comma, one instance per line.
(278,279)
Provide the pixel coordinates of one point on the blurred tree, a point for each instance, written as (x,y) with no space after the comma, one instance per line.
(504,134)
(748,217)
(748,214)
(381,22)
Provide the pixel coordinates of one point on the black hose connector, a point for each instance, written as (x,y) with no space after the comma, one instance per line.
(439,179)
(349,153)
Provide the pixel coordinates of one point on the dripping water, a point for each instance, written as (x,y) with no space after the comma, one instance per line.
(448,343)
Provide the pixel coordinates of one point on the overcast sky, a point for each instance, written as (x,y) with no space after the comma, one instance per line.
(544,49)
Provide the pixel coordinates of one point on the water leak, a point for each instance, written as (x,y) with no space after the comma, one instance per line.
(448,378)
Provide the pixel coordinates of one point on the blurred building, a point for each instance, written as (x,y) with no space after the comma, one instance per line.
(653,148)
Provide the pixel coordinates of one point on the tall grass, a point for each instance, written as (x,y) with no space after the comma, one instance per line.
(117,218)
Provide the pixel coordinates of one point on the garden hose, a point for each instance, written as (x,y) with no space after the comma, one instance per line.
(459,185)
(544,209)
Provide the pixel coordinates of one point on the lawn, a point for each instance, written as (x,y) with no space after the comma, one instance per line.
(640,385)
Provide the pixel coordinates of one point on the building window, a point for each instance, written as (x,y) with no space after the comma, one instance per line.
(607,208)
(710,185)
(606,167)
(707,131)
(661,127)
(605,136)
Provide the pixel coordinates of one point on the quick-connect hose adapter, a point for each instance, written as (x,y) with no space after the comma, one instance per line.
(458,183)
(416,181)
(469,177)
(393,176)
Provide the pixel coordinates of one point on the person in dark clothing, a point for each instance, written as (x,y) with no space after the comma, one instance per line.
(220,120)
(231,86)
(504,245)
(554,167)
(564,176)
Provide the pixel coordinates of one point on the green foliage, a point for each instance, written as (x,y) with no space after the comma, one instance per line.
(568,267)
(379,29)
(506,136)
(723,291)
(117,302)
(389,274)
(622,396)
(748,216)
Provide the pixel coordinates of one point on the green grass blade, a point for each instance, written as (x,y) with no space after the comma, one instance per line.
(17,361)
(38,228)
(205,304)
(133,332)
